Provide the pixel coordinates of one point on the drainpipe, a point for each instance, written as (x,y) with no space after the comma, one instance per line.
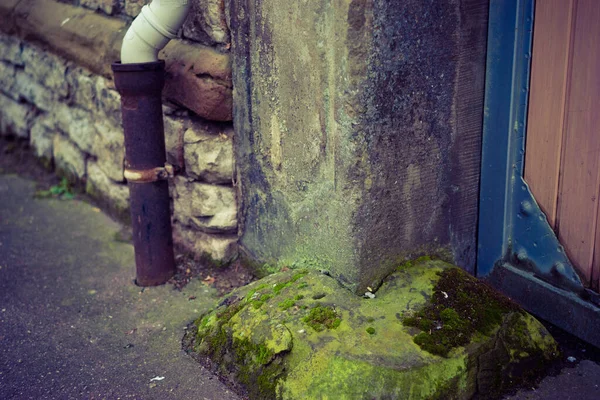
(139,79)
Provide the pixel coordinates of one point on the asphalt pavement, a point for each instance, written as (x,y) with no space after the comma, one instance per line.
(72,323)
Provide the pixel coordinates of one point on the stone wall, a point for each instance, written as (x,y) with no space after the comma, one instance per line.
(56,91)
(207,23)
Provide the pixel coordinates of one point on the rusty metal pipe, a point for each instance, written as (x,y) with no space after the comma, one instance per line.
(140,86)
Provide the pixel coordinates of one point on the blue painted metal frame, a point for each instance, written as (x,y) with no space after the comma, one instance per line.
(518,251)
(512,226)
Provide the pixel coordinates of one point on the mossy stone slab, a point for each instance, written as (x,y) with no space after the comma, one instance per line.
(300,334)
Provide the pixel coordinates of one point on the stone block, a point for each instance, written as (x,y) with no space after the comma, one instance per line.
(7,80)
(11,49)
(199,78)
(33,92)
(114,196)
(207,23)
(47,69)
(15,117)
(108,100)
(77,125)
(107,6)
(210,208)
(83,36)
(208,153)
(430,331)
(41,138)
(134,7)
(221,248)
(109,149)
(199,60)
(68,159)
(204,96)
(174,130)
(82,84)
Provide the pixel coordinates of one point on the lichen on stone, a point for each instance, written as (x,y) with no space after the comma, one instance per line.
(300,334)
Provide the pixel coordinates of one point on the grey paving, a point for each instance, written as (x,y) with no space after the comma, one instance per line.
(72,324)
(582,382)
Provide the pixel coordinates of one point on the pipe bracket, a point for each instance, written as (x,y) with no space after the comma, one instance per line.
(149,175)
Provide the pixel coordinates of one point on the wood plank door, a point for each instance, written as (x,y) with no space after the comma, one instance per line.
(562,159)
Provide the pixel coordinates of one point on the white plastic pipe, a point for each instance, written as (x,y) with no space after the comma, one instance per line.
(152,29)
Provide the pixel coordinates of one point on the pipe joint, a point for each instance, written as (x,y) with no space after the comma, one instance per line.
(149,175)
(152,29)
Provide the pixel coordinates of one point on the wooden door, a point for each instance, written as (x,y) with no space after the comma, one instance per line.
(562,160)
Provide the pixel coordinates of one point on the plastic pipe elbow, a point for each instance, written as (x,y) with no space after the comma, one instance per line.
(152,29)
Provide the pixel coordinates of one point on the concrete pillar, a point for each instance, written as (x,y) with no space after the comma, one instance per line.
(358,128)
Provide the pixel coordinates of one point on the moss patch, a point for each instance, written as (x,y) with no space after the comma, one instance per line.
(288,303)
(320,318)
(460,306)
(300,334)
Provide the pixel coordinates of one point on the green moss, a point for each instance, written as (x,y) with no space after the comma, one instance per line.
(410,263)
(257,304)
(302,285)
(250,295)
(275,353)
(256,368)
(256,299)
(280,286)
(526,339)
(320,318)
(286,304)
(211,337)
(226,314)
(266,297)
(299,275)
(460,306)
(202,323)
(330,376)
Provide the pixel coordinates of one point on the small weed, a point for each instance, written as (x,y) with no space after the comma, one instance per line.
(371,330)
(63,191)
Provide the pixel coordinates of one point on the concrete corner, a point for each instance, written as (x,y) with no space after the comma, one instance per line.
(350,145)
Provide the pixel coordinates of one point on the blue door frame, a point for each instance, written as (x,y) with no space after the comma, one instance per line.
(518,251)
